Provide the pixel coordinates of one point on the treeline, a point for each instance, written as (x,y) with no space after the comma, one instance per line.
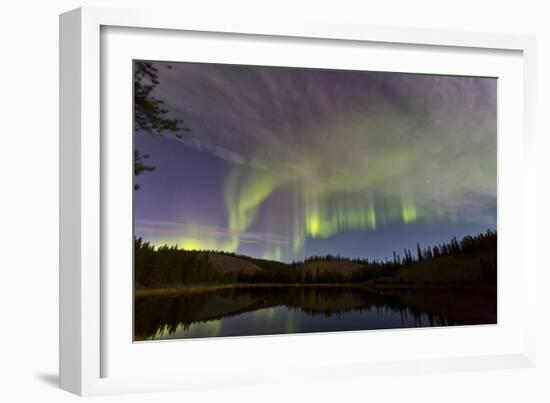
(169,265)
(470,244)
(293,274)
(334,258)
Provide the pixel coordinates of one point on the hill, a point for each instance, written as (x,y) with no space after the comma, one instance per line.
(224,264)
(344,267)
(446,270)
(472,260)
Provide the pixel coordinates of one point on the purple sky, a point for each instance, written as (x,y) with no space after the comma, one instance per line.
(284,163)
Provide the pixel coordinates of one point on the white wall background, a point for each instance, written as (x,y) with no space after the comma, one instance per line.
(29,200)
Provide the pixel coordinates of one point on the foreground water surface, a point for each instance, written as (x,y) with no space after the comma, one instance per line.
(282,310)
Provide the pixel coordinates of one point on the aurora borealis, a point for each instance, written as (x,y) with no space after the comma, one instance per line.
(284,163)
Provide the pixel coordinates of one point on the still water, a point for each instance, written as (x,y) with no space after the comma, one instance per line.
(282,310)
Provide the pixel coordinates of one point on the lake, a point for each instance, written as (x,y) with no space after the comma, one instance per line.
(246,311)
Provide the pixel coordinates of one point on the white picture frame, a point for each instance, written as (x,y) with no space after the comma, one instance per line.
(88,311)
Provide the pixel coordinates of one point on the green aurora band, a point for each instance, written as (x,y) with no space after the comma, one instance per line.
(359,192)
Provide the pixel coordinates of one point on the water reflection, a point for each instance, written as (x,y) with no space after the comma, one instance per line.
(276,310)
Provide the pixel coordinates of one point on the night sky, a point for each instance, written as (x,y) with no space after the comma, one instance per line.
(285,163)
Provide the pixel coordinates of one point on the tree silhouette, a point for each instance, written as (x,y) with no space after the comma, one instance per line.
(419,252)
(140,166)
(149,113)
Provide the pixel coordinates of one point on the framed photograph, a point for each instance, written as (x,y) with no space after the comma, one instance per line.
(299,200)
(238,196)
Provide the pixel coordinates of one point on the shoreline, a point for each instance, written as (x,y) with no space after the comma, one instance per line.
(193,289)
(200,288)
